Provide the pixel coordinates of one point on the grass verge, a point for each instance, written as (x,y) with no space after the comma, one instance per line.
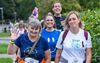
(4,34)
(3,48)
(6,60)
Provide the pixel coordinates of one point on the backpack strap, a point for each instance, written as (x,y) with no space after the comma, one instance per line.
(34,45)
(64,35)
(86,34)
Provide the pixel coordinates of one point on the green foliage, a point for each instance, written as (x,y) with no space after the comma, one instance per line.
(89,4)
(44,6)
(8,8)
(6,60)
(91,19)
(70,5)
(3,48)
(24,8)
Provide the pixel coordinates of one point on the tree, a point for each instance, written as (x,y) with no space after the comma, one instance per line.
(89,4)
(69,5)
(44,6)
(24,8)
(8,8)
(91,19)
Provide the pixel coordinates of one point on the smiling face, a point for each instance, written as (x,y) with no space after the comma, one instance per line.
(57,8)
(73,21)
(34,27)
(33,31)
(49,22)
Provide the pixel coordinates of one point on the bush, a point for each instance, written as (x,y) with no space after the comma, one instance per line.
(91,19)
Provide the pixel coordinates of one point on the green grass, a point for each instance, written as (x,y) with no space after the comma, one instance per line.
(4,34)
(6,60)
(3,48)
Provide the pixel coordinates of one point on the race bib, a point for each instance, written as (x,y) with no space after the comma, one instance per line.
(31,60)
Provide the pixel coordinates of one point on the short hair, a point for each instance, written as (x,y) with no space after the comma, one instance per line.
(35,22)
(57,1)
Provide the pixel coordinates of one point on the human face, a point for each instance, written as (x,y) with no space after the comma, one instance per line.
(73,21)
(33,31)
(57,8)
(49,22)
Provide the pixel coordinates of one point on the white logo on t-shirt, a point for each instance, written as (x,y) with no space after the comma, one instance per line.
(53,40)
(48,39)
(76,43)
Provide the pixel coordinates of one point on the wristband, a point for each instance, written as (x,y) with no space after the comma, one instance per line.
(11,42)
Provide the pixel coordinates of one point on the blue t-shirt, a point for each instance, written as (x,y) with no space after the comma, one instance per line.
(24,43)
(52,38)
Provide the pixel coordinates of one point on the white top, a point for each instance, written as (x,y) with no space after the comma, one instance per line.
(73,47)
(21,31)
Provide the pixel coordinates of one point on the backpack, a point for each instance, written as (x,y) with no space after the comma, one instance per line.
(65,34)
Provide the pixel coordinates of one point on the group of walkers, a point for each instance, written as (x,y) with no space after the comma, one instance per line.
(60,40)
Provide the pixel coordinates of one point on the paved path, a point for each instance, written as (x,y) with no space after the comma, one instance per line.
(4,40)
(7,56)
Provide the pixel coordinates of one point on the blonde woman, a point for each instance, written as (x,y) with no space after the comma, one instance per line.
(75,48)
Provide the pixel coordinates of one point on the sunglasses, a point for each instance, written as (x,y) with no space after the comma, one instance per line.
(49,20)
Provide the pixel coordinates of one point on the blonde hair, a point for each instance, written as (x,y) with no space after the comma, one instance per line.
(77,15)
(21,24)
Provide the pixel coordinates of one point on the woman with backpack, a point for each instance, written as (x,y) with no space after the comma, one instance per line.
(74,45)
